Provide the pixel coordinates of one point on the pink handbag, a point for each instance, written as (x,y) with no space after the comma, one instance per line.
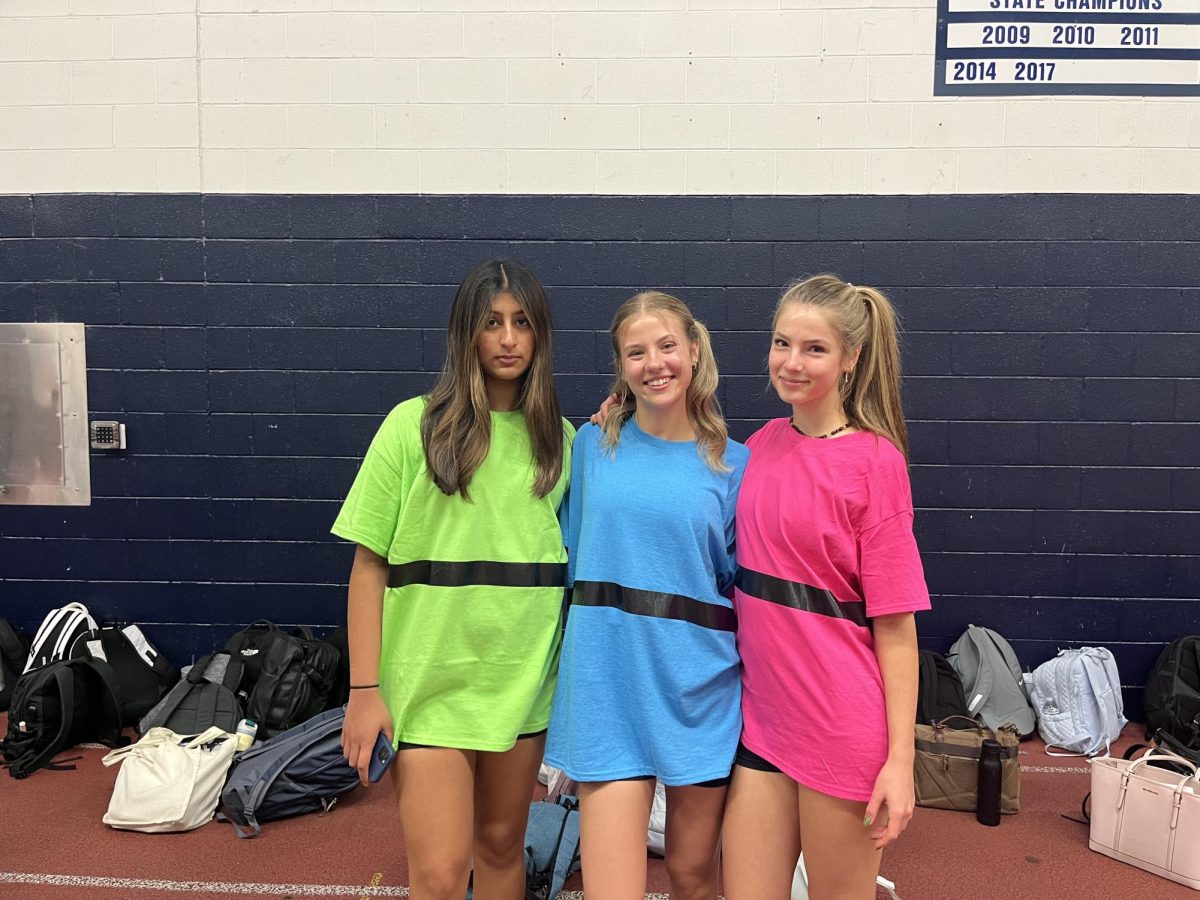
(1147,816)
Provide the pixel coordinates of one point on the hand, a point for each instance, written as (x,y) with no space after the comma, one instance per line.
(601,414)
(366,716)
(893,789)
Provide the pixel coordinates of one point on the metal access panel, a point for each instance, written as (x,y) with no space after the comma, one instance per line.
(43,415)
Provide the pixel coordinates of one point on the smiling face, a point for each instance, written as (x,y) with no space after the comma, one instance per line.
(656,361)
(506,344)
(808,359)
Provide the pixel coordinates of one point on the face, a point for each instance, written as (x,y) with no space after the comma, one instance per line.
(807,359)
(656,360)
(506,343)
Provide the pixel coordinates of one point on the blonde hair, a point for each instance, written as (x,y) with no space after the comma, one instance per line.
(865,321)
(703,410)
(456,427)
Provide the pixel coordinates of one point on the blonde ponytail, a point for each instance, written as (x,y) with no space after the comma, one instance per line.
(867,322)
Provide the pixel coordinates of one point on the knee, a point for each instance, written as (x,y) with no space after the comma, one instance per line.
(692,875)
(499,845)
(441,878)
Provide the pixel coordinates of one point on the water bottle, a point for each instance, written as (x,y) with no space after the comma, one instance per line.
(987,798)
(246,731)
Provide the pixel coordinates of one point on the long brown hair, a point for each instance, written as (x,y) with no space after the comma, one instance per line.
(865,320)
(456,427)
(703,410)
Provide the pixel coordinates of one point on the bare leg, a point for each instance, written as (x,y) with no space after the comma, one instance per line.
(503,789)
(840,856)
(436,788)
(693,834)
(612,829)
(761,841)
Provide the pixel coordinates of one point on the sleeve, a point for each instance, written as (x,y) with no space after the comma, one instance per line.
(570,513)
(892,577)
(372,508)
(727,563)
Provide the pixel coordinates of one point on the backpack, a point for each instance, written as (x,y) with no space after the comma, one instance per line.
(992,682)
(939,691)
(295,772)
(1079,703)
(551,846)
(206,696)
(55,637)
(14,651)
(143,674)
(288,676)
(56,707)
(1173,692)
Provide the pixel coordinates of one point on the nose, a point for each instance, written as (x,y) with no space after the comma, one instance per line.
(794,361)
(508,335)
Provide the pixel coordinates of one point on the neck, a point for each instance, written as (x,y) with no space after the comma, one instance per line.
(503,395)
(814,421)
(671,424)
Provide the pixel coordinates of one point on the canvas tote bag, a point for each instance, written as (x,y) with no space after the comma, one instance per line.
(169,782)
(946,764)
(1148,816)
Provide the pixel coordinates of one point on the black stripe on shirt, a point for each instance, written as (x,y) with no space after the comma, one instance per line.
(487,572)
(795,595)
(656,604)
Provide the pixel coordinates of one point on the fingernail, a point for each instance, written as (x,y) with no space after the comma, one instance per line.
(867,820)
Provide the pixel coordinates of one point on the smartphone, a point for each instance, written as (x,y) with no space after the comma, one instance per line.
(381,758)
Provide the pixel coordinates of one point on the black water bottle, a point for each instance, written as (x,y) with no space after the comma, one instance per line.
(987,798)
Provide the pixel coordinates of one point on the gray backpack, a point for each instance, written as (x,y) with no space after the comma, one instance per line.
(992,681)
(297,771)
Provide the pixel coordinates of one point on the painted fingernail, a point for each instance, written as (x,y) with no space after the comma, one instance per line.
(867,820)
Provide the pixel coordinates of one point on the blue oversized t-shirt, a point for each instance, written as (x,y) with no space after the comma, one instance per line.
(649,678)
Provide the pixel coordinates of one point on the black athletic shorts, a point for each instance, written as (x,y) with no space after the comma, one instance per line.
(716,782)
(748,759)
(520,737)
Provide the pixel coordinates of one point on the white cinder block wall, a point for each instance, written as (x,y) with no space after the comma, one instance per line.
(541,96)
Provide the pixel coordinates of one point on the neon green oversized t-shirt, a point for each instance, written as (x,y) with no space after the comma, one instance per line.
(471,615)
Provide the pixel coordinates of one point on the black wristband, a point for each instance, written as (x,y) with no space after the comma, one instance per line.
(362,687)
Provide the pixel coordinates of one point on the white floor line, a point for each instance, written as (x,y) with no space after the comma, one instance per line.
(204,887)
(229,887)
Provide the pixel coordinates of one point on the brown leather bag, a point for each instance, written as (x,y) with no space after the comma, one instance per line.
(946,766)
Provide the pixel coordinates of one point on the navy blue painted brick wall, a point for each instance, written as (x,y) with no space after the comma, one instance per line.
(252,344)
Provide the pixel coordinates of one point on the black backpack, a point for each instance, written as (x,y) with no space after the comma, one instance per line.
(940,690)
(210,694)
(14,650)
(56,707)
(289,676)
(143,673)
(1173,692)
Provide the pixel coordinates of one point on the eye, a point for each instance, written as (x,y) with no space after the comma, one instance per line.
(816,348)
(669,346)
(779,342)
(492,322)
(634,354)
(523,322)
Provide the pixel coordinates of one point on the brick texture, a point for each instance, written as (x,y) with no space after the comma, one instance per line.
(252,344)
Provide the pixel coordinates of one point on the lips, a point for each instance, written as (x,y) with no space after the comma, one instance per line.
(662,381)
(508,360)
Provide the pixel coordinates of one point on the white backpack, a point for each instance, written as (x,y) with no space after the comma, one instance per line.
(57,633)
(1078,700)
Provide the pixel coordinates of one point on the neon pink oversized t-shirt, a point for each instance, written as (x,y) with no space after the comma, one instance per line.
(824,544)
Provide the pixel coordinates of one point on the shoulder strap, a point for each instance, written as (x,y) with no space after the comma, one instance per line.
(112,696)
(34,760)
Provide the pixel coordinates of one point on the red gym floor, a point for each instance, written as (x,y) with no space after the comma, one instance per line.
(53,846)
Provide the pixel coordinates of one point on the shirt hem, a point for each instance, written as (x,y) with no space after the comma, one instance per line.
(357,538)
(464,743)
(625,774)
(811,783)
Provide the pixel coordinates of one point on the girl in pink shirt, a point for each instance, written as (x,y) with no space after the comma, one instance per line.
(829,578)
